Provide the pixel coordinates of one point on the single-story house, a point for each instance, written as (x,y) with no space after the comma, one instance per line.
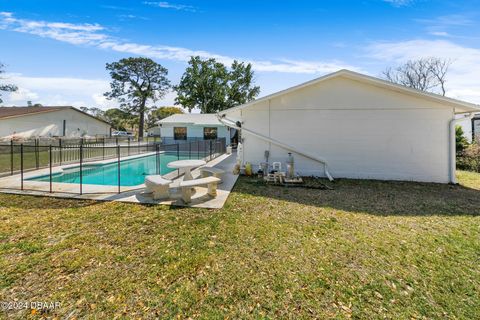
(194,126)
(350,125)
(37,122)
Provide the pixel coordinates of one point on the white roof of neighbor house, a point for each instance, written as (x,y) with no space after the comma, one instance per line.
(460,106)
(206,119)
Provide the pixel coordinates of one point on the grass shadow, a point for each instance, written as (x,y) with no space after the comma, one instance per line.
(375,197)
(42,202)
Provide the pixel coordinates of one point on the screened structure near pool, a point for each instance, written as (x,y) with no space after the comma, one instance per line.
(181,128)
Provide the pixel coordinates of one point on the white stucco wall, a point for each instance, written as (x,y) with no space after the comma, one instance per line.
(50,124)
(363,131)
(193,131)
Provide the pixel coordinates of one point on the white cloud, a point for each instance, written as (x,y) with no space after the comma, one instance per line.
(168,5)
(132,17)
(101,100)
(22,94)
(445,26)
(399,3)
(56,91)
(90,35)
(440,33)
(460,20)
(66,91)
(463,81)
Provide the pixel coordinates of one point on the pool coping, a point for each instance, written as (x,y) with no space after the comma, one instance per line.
(62,168)
(132,194)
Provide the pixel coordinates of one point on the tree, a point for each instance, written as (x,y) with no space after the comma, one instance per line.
(5,87)
(134,82)
(241,89)
(162,113)
(209,86)
(118,118)
(426,74)
(94,111)
(460,141)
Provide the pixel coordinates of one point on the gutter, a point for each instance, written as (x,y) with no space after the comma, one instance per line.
(452,147)
(233,124)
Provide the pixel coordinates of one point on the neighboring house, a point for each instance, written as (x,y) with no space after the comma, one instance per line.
(35,122)
(359,126)
(471,128)
(193,126)
(475,128)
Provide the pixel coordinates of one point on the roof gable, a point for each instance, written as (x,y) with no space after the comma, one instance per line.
(460,106)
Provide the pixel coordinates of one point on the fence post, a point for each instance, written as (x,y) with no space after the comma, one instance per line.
(190,150)
(118,160)
(103,148)
(21,166)
(178,151)
(210,150)
(205,143)
(81,169)
(50,160)
(157,162)
(128,149)
(11,157)
(37,158)
(60,150)
(198,149)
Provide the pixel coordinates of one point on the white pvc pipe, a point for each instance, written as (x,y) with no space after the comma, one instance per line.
(452,147)
(232,124)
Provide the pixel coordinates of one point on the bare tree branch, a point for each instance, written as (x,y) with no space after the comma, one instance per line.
(426,74)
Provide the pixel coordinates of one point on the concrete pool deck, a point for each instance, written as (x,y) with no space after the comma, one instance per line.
(134,194)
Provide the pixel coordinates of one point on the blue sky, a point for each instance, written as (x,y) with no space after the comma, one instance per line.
(56,51)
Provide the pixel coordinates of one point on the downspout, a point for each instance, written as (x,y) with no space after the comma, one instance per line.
(452,147)
(233,124)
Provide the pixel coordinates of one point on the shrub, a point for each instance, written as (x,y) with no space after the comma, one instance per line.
(469,158)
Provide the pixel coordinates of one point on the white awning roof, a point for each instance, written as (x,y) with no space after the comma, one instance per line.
(200,119)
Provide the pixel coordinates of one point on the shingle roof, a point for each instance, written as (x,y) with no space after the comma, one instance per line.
(10,112)
(7,112)
(193,118)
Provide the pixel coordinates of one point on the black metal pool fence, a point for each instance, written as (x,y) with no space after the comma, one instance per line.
(18,159)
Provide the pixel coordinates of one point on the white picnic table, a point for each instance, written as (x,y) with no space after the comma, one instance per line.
(186,165)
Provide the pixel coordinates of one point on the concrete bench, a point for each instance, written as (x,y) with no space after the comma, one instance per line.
(187,186)
(158,186)
(211,171)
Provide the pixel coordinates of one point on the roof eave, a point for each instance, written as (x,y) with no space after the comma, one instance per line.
(462,106)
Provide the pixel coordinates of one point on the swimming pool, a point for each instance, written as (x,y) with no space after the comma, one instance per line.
(132,171)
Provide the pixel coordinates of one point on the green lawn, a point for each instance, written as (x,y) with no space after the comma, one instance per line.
(364,250)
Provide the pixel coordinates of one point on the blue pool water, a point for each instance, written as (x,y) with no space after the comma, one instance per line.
(132,172)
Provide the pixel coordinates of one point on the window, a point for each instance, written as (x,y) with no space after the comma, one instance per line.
(209,133)
(180,133)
